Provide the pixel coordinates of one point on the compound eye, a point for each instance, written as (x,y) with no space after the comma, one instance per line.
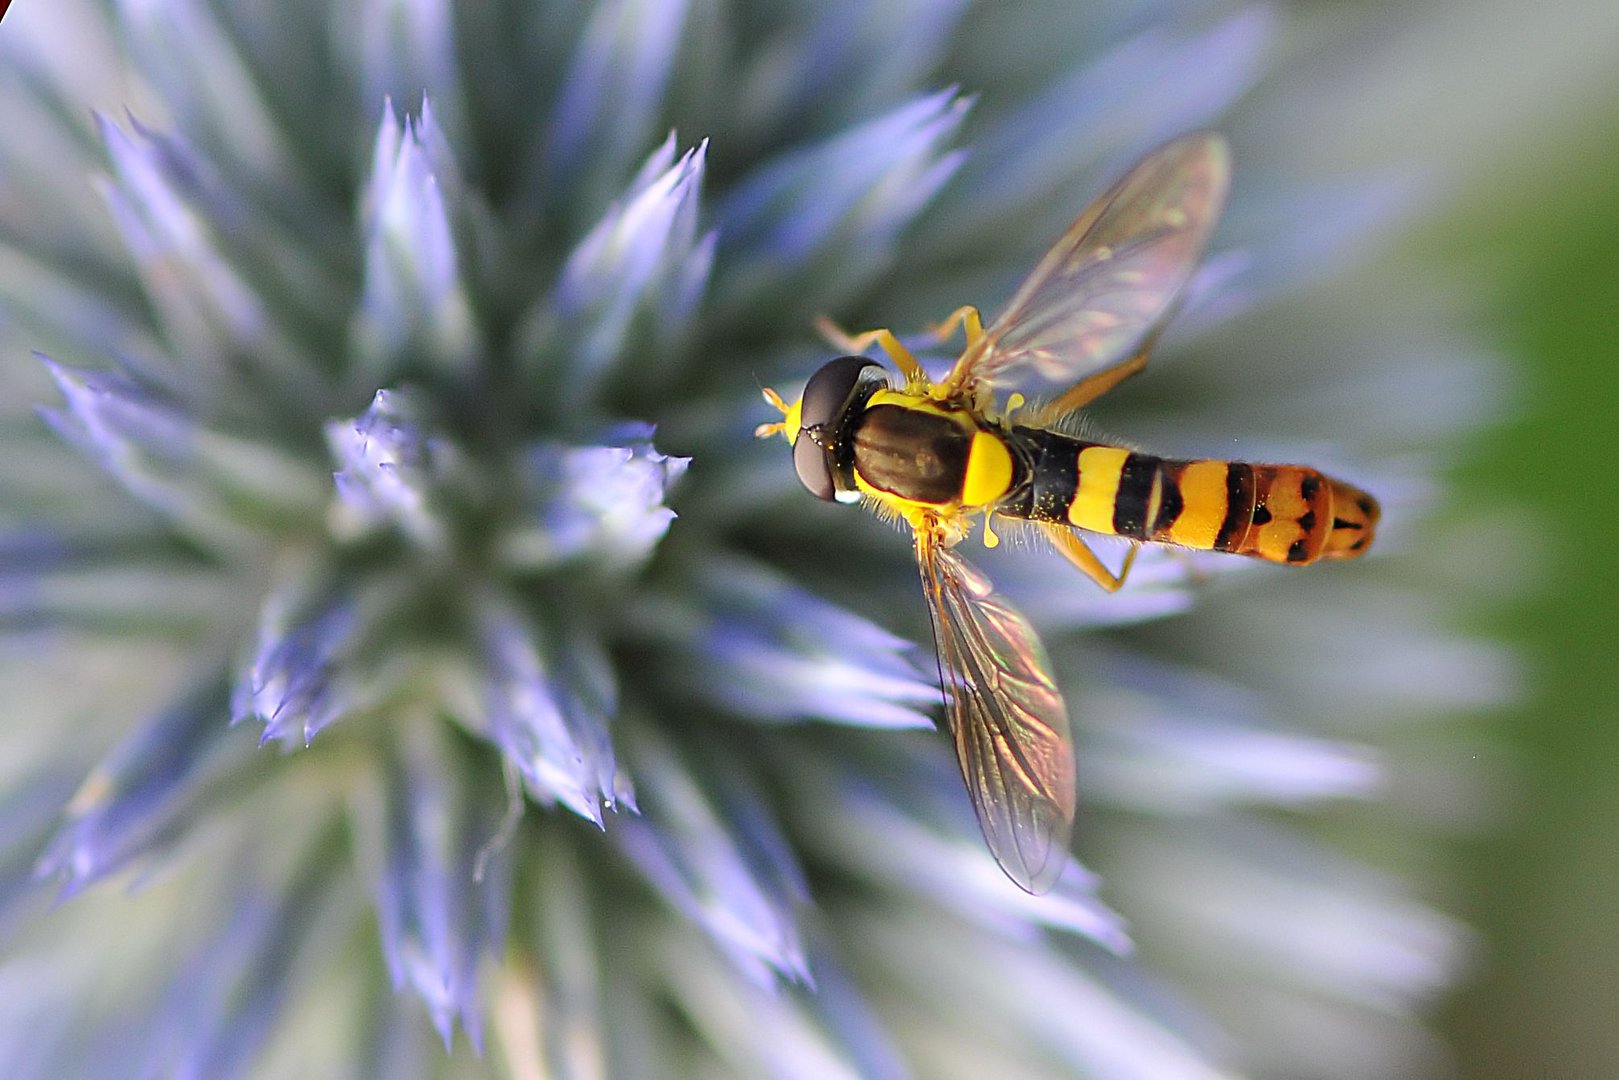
(829,390)
(813,465)
(826,397)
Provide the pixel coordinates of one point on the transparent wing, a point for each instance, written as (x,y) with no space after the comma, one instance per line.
(1107,285)
(1008,720)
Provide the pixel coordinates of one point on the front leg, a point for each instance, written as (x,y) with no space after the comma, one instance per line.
(857,344)
(966,316)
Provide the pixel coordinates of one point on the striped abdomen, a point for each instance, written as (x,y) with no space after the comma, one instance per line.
(1283,513)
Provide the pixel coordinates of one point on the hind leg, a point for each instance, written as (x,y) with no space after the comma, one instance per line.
(1086,561)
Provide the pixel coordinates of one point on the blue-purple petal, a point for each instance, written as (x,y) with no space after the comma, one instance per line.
(644,255)
(1183,742)
(914,828)
(549,697)
(438,917)
(716,854)
(206,82)
(141,795)
(604,502)
(849,1017)
(208,311)
(747,1032)
(29,811)
(126,584)
(406,50)
(300,678)
(784,654)
(415,307)
(607,111)
(226,995)
(840,59)
(389,467)
(161,455)
(833,211)
(136,439)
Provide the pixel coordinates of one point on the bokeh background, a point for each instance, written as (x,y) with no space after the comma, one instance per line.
(1510,110)
(1517,106)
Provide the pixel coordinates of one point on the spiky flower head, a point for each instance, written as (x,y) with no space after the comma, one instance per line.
(404,634)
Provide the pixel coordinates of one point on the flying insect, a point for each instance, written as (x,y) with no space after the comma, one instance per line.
(938,454)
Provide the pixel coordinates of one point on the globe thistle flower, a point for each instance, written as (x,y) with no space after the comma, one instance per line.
(411,660)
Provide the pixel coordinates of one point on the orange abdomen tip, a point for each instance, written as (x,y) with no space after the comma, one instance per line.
(1300,515)
(1353,523)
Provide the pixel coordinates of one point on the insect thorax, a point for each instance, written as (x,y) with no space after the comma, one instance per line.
(919,455)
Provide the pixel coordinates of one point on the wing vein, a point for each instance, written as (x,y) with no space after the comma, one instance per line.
(1006,716)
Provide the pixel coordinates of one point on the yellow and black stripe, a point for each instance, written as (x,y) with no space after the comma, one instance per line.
(1281,513)
(916,453)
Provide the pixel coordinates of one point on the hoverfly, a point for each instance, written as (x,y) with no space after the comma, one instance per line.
(938,454)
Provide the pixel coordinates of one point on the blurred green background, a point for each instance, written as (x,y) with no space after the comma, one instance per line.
(1521,103)
(1545,887)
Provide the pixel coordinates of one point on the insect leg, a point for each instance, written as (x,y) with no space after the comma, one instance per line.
(1088,389)
(764,431)
(965,316)
(1076,551)
(840,338)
